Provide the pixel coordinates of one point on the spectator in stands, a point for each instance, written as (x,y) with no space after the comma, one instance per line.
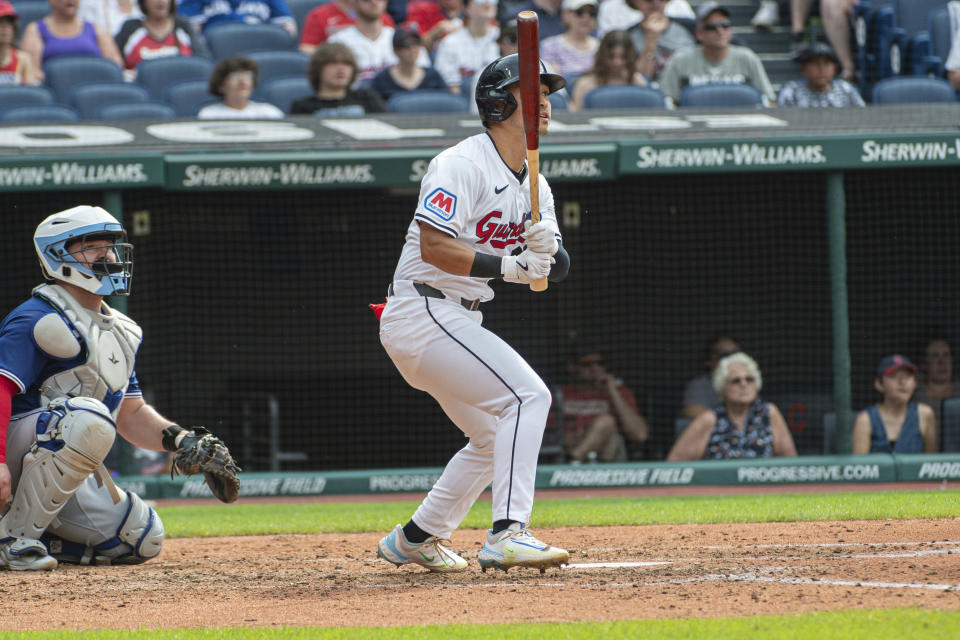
(549,15)
(332,71)
(821,88)
(15,67)
(434,19)
(325,20)
(742,425)
(161,33)
(699,394)
(895,425)
(507,44)
(233,79)
(656,37)
(61,33)
(716,60)
(370,41)
(598,412)
(623,14)
(572,52)
(468,50)
(767,15)
(406,74)
(952,64)
(614,63)
(836,16)
(937,377)
(206,14)
(109,14)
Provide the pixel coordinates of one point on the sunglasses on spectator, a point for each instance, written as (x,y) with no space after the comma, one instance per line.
(745,380)
(716,26)
(587,11)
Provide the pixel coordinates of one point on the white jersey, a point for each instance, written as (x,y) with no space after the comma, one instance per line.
(469,193)
(372,55)
(460,55)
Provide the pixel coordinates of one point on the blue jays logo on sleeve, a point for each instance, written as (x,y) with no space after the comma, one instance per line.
(441,203)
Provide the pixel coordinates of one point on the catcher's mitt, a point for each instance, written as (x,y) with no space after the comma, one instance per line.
(199,451)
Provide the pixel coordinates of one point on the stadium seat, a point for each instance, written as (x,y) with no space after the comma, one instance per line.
(160,73)
(910,89)
(829,433)
(278,64)
(237,39)
(558,101)
(301,8)
(87,98)
(941,35)
(283,91)
(63,74)
(912,16)
(19,95)
(40,113)
(721,95)
(624,96)
(30,11)
(131,110)
(427,101)
(950,429)
(187,98)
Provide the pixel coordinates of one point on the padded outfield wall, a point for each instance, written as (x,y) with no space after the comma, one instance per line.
(822,241)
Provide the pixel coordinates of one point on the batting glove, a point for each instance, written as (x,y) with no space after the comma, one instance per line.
(527,267)
(540,237)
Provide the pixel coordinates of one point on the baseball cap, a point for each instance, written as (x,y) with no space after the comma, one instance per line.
(889,364)
(7,10)
(817,50)
(707,8)
(404,36)
(573,5)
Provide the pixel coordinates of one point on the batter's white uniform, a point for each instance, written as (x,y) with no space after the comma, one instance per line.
(440,347)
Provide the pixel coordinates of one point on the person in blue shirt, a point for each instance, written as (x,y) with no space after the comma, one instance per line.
(205,14)
(895,424)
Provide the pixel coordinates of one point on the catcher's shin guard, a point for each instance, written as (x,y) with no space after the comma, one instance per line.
(77,436)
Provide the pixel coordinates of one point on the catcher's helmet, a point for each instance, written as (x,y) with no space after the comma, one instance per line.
(495,103)
(85,223)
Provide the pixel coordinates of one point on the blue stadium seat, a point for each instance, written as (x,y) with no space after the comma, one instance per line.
(187,98)
(869,18)
(132,110)
(274,65)
(236,39)
(941,36)
(427,101)
(63,74)
(87,98)
(558,101)
(160,73)
(30,11)
(721,95)
(829,433)
(950,429)
(301,8)
(910,89)
(624,96)
(283,91)
(18,95)
(40,113)
(913,17)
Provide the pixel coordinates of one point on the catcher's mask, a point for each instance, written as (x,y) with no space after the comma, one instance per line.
(495,103)
(76,228)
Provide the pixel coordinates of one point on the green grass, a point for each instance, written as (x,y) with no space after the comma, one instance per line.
(914,624)
(259,519)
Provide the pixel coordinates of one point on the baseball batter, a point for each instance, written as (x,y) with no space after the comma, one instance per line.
(472,224)
(67,387)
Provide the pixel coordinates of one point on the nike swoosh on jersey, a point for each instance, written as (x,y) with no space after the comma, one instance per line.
(499,190)
(521,265)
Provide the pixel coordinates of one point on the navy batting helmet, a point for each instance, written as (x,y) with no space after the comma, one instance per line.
(495,103)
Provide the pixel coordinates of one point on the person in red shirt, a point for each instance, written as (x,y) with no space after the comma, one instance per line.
(159,34)
(326,20)
(433,19)
(598,412)
(15,68)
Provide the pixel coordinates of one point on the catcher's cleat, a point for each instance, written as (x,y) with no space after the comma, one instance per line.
(515,546)
(24,554)
(434,554)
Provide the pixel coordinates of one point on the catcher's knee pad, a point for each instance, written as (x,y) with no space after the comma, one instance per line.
(139,538)
(74,436)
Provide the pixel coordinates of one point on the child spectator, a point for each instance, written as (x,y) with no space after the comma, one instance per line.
(332,71)
(821,88)
(895,425)
(614,63)
(233,79)
(15,67)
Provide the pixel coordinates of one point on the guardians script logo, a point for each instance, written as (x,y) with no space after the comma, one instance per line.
(498,234)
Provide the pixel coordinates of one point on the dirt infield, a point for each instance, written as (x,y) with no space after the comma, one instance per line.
(615,573)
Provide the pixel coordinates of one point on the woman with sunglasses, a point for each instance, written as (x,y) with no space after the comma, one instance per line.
(743,425)
(571,52)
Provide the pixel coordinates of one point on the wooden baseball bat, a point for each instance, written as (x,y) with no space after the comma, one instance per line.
(528,54)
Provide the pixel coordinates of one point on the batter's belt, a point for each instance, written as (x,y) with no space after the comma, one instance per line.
(432,292)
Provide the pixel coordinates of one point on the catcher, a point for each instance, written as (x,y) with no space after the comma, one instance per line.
(67,387)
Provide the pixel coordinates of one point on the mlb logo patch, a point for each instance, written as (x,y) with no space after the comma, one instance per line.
(441,203)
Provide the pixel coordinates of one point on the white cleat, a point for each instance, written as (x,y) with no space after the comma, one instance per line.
(767,16)
(515,546)
(24,554)
(434,554)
